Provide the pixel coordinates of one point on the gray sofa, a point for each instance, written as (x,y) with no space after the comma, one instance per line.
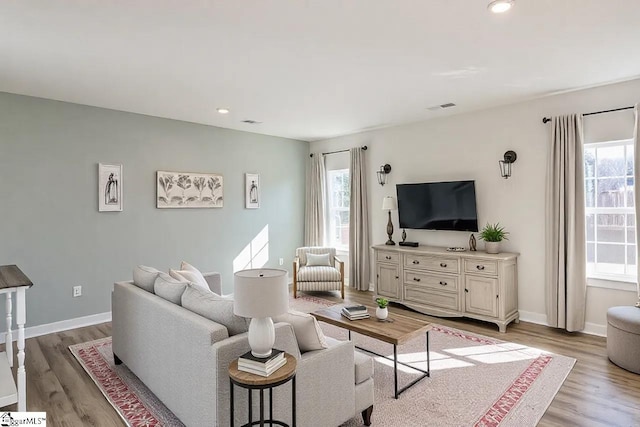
(183,359)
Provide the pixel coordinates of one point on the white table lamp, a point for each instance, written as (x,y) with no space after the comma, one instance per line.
(389,204)
(260,294)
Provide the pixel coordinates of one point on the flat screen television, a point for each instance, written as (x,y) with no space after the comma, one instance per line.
(438,206)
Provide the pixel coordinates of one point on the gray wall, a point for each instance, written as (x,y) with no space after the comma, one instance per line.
(49,221)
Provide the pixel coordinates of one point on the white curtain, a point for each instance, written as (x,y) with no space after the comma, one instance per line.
(358,222)
(636,189)
(565,226)
(315,203)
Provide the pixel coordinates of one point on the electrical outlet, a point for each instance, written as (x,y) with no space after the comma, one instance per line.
(281,261)
(77,291)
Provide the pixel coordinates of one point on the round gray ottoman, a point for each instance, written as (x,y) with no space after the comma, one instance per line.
(623,337)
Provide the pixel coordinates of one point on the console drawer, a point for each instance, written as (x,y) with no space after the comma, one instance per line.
(392,257)
(424,262)
(426,296)
(490,268)
(433,281)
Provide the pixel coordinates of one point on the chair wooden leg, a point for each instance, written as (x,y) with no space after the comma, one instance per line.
(342,279)
(295,288)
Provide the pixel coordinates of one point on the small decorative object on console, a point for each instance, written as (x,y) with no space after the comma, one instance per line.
(404,235)
(493,234)
(456,249)
(472,243)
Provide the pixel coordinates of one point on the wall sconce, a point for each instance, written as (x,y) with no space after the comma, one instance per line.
(382,174)
(505,165)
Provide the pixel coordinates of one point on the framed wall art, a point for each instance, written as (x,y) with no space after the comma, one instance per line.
(252,190)
(109,188)
(188,190)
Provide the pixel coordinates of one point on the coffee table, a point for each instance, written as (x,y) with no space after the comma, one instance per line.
(396,330)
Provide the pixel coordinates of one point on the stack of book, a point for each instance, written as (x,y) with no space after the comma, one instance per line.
(355,312)
(263,366)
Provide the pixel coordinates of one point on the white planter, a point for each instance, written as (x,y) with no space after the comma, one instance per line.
(492,247)
(382,313)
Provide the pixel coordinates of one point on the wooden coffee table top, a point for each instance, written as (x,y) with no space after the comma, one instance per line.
(399,331)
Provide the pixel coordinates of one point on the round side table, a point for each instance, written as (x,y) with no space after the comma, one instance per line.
(256,382)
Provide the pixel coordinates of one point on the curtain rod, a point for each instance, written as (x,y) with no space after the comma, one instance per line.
(364,147)
(548,119)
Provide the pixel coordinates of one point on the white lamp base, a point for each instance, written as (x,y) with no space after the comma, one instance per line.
(262,335)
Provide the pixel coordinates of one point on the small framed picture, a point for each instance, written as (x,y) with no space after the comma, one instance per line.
(252,190)
(109,188)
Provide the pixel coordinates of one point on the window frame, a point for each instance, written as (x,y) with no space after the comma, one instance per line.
(331,209)
(600,279)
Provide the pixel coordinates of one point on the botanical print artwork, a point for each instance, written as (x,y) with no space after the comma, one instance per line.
(189,190)
(252,190)
(109,188)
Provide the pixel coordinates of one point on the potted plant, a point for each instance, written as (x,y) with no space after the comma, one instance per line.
(493,234)
(382,311)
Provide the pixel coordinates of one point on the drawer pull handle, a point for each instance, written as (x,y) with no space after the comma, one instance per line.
(416,261)
(388,257)
(480,267)
(397,277)
(443,265)
(443,283)
(415,279)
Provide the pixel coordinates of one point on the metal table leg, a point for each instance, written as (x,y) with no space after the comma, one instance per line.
(395,370)
(231,401)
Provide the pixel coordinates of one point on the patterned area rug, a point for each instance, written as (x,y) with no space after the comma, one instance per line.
(475,380)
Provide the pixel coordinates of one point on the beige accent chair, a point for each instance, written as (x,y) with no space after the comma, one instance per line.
(317,278)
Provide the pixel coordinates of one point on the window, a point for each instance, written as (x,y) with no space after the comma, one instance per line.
(610,213)
(339,195)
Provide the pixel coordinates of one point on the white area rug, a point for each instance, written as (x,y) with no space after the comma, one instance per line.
(475,380)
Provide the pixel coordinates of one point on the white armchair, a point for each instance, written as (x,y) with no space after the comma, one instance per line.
(328,277)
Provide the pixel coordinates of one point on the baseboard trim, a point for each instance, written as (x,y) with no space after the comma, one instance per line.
(531,317)
(63,325)
(595,329)
(541,319)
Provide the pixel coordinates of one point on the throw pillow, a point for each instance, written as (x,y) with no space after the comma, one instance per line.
(144,277)
(214,307)
(169,288)
(194,277)
(318,260)
(307,330)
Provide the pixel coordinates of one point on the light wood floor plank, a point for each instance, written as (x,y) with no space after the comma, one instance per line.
(596,392)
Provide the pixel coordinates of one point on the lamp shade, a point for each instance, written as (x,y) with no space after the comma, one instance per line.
(260,292)
(389,203)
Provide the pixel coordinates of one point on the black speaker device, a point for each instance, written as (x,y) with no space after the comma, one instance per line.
(411,244)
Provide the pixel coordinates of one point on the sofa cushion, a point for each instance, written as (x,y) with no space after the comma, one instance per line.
(190,276)
(318,274)
(214,307)
(169,288)
(364,367)
(144,277)
(307,330)
(317,260)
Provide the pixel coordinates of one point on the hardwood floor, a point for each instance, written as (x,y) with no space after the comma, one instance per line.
(596,392)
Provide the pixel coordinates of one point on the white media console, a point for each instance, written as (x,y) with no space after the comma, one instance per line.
(433,281)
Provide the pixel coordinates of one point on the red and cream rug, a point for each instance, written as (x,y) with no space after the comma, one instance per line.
(475,380)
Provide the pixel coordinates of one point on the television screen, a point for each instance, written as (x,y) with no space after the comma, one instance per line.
(438,206)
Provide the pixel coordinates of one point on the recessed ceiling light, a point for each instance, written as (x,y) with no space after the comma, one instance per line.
(223,110)
(500,6)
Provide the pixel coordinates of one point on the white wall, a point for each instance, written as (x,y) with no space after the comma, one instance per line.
(468,146)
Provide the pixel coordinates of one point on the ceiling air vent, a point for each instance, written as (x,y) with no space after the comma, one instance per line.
(251,122)
(442,106)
